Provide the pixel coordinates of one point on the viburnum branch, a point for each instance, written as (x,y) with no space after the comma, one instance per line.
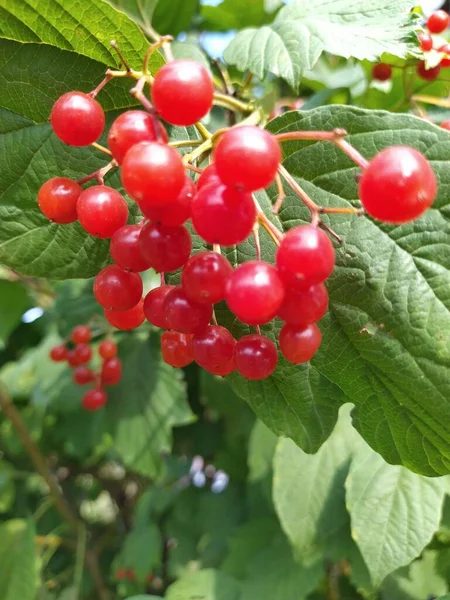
(264,221)
(154,35)
(203,131)
(99,175)
(192,168)
(186,143)
(341,210)
(205,146)
(101,148)
(331,231)
(351,152)
(138,93)
(257,242)
(307,201)
(280,194)
(232,103)
(160,42)
(101,85)
(115,46)
(217,248)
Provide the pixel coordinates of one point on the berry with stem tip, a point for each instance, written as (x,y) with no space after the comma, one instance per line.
(256,357)
(111,372)
(382,72)
(94,399)
(204,277)
(223,215)
(302,307)
(426,41)
(57,199)
(209,175)
(255,292)
(82,353)
(83,375)
(126,319)
(305,257)
(438,21)
(77,119)
(154,306)
(166,248)
(117,289)
(213,348)
(176,348)
(81,334)
(299,344)
(398,185)
(132,127)
(107,349)
(182,92)
(427,74)
(247,158)
(102,211)
(177,212)
(125,250)
(183,315)
(59,353)
(153,174)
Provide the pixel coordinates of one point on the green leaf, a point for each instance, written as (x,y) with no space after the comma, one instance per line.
(145,597)
(14,301)
(207,585)
(142,551)
(394,513)
(19,575)
(171,18)
(140,11)
(75,304)
(309,494)
(192,51)
(261,450)
(234,14)
(419,581)
(145,405)
(7,487)
(386,339)
(303,30)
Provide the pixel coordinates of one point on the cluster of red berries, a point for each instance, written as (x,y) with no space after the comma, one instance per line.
(78,354)
(436,24)
(396,186)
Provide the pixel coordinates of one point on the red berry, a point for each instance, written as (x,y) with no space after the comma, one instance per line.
(77,119)
(154,306)
(382,72)
(81,334)
(59,353)
(116,289)
(426,42)
(125,250)
(121,574)
(126,319)
(256,356)
(107,349)
(209,175)
(182,92)
(223,215)
(153,174)
(302,307)
(298,344)
(83,375)
(213,348)
(204,277)
(102,211)
(398,185)
(176,349)
(176,213)
(225,368)
(132,127)
(71,359)
(57,199)
(305,257)
(255,292)
(183,315)
(82,353)
(111,371)
(438,21)
(427,74)
(167,248)
(446,125)
(247,157)
(94,399)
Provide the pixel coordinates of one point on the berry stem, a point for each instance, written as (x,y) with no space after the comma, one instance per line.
(280,194)
(154,35)
(162,278)
(307,201)
(342,210)
(203,131)
(205,146)
(115,46)
(186,143)
(101,148)
(257,242)
(231,103)
(217,248)
(330,231)
(161,41)
(137,92)
(263,220)
(101,85)
(192,168)
(99,174)
(351,152)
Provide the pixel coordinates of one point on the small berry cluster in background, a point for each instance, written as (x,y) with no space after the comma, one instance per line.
(78,354)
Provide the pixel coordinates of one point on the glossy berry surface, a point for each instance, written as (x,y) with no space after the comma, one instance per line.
(297,344)
(438,21)
(166,248)
(59,353)
(107,349)
(213,348)
(111,372)
(223,215)
(82,353)
(183,315)
(426,41)
(83,375)
(154,306)
(209,175)
(176,349)
(57,199)
(204,277)
(382,72)
(132,127)
(398,185)
(182,92)
(71,359)
(94,399)
(77,119)
(117,289)
(255,292)
(427,74)
(153,174)
(125,250)
(247,158)
(177,212)
(256,356)
(127,319)
(305,257)
(302,307)
(102,211)
(81,334)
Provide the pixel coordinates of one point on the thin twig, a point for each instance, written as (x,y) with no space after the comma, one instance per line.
(256,238)
(115,46)
(280,194)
